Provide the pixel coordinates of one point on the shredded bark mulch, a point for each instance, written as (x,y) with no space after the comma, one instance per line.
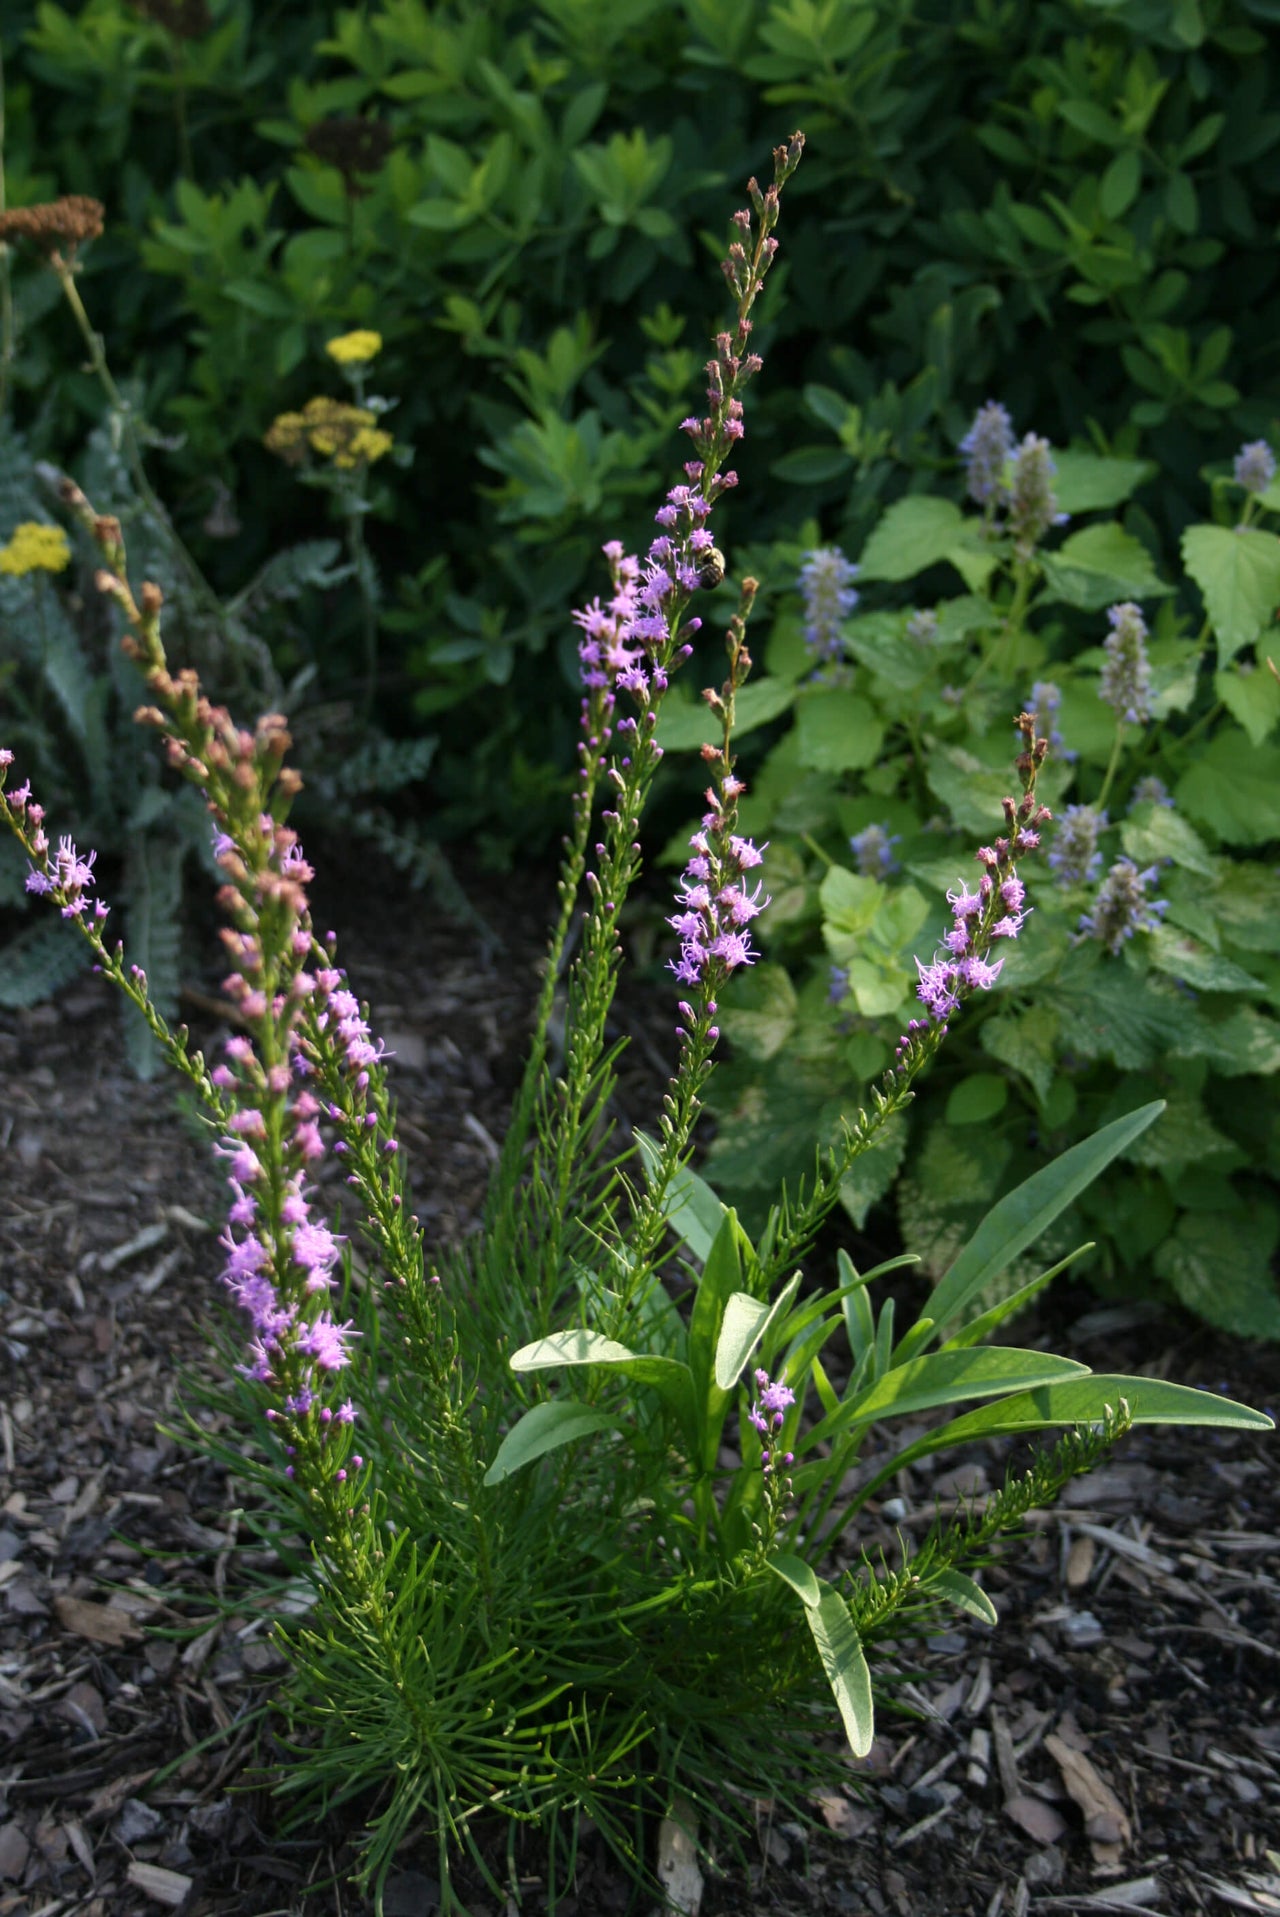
(1113,1746)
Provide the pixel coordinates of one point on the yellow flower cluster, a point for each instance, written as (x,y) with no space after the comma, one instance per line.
(349,349)
(343,433)
(35,548)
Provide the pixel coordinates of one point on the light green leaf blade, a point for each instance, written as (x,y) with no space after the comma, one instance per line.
(545,1428)
(1089,483)
(965,1595)
(845,1665)
(745,1318)
(946,1377)
(913,535)
(1020,1217)
(795,1572)
(684,725)
(1238,571)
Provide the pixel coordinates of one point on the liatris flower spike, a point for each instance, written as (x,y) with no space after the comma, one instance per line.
(995,911)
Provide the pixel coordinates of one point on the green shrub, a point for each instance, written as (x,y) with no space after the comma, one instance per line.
(1074,205)
(1161,978)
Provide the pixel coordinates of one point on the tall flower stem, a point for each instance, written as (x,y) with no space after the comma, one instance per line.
(1113,766)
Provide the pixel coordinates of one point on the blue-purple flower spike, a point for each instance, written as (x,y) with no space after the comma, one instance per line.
(829,597)
(1122,907)
(1125,683)
(1255,466)
(988,448)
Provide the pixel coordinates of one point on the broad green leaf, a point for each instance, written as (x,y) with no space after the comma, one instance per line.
(545,1428)
(836,731)
(717,1287)
(1025,1042)
(977,1098)
(1087,482)
(1252,697)
(1153,832)
(758,1011)
(1219,1264)
(945,1377)
(913,535)
(1194,964)
(1238,571)
(1247,906)
(1020,1217)
(849,901)
(970,789)
(672,1380)
(1099,565)
(795,1572)
(874,1170)
(744,1319)
(840,1650)
(964,1594)
(684,725)
(1246,1041)
(1233,787)
(1183,1134)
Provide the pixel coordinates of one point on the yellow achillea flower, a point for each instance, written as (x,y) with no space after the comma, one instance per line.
(343,433)
(35,548)
(350,348)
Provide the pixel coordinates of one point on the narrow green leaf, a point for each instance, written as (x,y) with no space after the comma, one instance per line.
(946,1377)
(795,1572)
(843,1661)
(545,1428)
(978,1330)
(965,1595)
(1020,1217)
(694,1213)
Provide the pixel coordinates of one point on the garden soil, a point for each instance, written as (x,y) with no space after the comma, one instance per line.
(1113,1747)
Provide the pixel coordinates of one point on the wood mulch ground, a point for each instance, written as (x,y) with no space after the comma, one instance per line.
(1113,1746)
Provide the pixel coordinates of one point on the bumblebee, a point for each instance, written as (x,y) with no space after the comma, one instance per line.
(711,568)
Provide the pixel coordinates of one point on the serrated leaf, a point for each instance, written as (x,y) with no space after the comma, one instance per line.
(913,535)
(1100,565)
(874,1170)
(686,725)
(1219,1265)
(1090,483)
(1252,698)
(841,1653)
(1183,1134)
(1025,1042)
(39,961)
(1238,571)
(1154,832)
(1194,964)
(1244,1043)
(758,1010)
(542,1429)
(836,731)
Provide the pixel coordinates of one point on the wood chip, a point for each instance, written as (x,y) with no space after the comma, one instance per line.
(678,1870)
(1080,1559)
(168,1887)
(1039,1820)
(1105,1818)
(100,1623)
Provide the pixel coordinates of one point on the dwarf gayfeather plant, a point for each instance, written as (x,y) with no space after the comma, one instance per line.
(570,1499)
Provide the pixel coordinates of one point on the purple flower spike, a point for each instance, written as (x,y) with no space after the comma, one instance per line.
(1125,684)
(1255,466)
(1122,907)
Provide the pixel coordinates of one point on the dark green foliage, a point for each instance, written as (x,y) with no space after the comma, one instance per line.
(1070,208)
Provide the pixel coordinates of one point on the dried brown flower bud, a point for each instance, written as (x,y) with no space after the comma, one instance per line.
(53,223)
(151,599)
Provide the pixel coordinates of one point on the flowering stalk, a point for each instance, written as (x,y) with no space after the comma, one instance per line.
(713,924)
(981,920)
(647,643)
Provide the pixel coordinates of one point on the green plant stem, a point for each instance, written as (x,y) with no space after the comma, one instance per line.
(1113,765)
